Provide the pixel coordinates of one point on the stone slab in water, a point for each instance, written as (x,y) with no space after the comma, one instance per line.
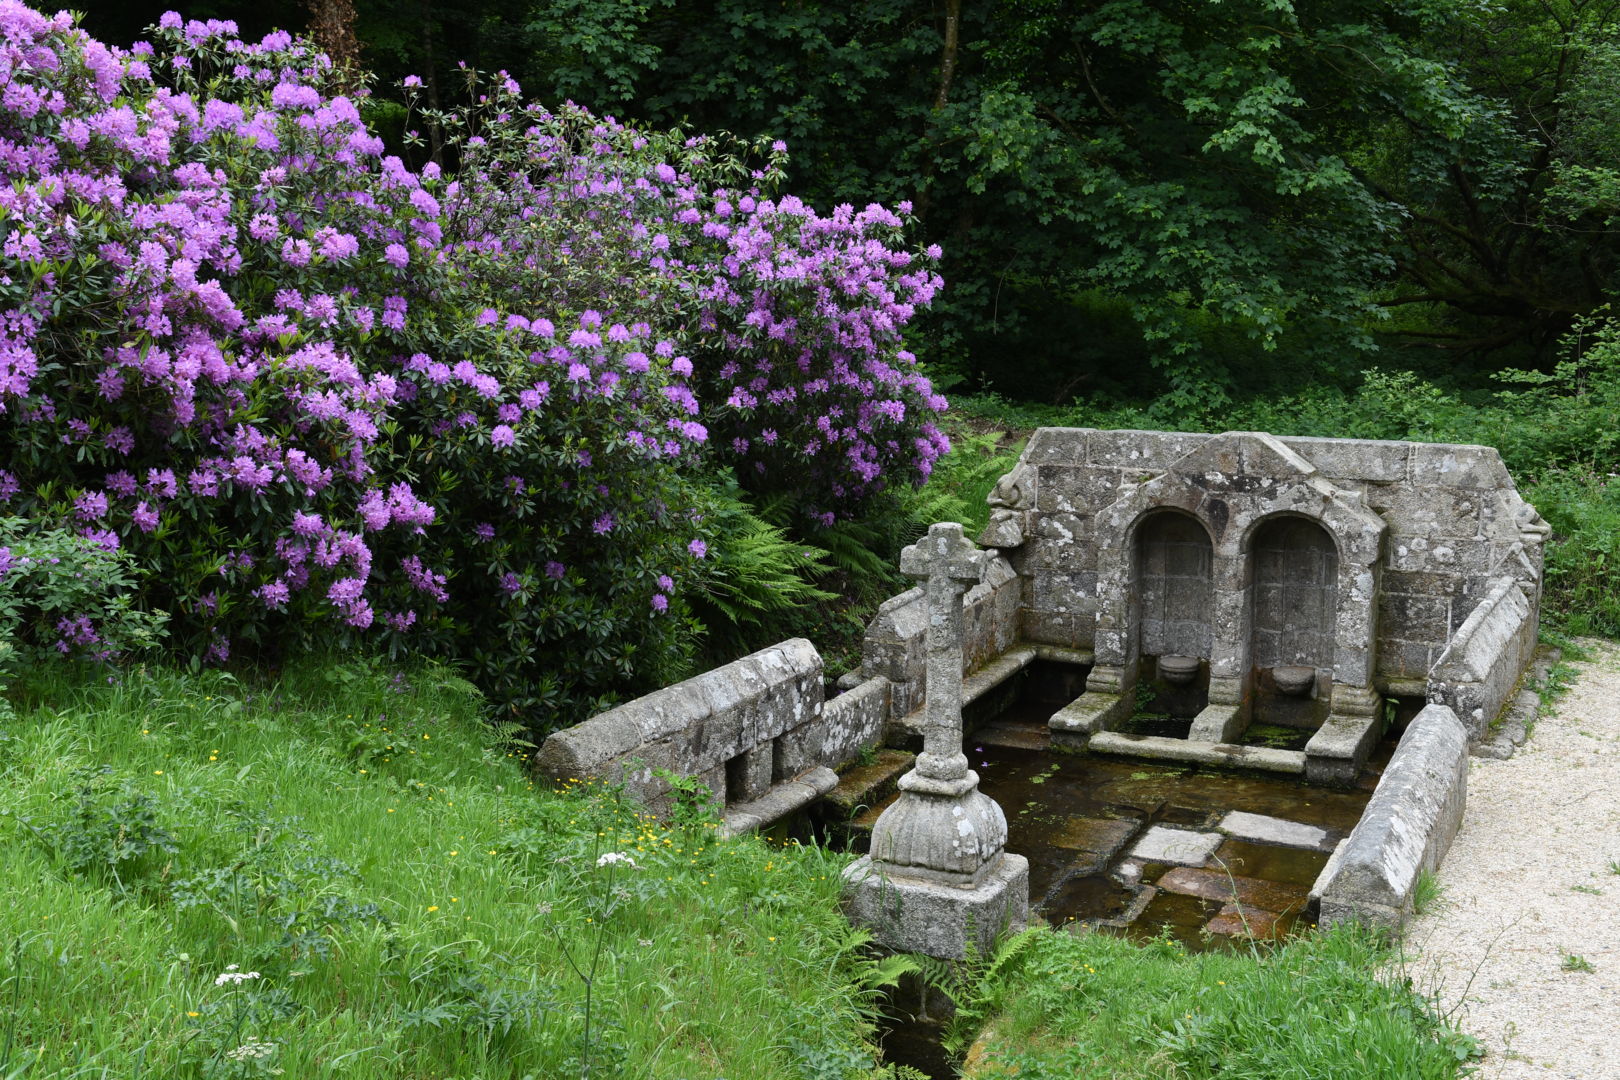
(1180,846)
(1296,866)
(1104,836)
(1272,830)
(1247,922)
(1201,753)
(1250,893)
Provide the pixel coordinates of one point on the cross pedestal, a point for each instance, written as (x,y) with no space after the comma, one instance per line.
(938,875)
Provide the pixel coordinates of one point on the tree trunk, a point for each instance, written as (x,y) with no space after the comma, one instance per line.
(331,24)
(942,97)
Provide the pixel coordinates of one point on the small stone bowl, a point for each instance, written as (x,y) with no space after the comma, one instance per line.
(1178,670)
(1295,680)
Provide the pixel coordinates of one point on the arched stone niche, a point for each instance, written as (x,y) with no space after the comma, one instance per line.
(1296,590)
(1232,485)
(1174,561)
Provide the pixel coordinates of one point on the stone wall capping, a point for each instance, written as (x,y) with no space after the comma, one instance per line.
(1226,755)
(1407,827)
(735,719)
(781,800)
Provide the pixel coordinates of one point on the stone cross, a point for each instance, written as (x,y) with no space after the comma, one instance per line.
(948,563)
(939,879)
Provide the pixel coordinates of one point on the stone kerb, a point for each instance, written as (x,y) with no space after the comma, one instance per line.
(1476,673)
(1406,829)
(732,715)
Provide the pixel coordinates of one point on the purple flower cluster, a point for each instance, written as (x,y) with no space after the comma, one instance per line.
(291,374)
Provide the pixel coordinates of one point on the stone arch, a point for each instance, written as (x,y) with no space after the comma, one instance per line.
(1175,557)
(1231,484)
(1295,590)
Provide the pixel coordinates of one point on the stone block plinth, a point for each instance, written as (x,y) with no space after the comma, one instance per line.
(935,918)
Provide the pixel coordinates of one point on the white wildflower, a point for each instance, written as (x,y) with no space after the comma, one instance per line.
(232,975)
(610,857)
(250,1050)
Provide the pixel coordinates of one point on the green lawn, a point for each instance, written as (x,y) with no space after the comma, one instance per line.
(347,874)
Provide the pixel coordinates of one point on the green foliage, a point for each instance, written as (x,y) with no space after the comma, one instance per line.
(752,585)
(1576,963)
(112,832)
(63,595)
(1091,1004)
(1428,893)
(282,903)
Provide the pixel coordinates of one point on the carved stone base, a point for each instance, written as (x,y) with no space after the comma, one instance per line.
(1106,679)
(910,915)
(1355,700)
(940,830)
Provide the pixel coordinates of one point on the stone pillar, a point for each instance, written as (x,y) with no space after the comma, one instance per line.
(938,876)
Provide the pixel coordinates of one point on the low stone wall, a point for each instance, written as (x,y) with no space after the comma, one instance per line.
(895,639)
(1481,664)
(849,723)
(1406,829)
(721,727)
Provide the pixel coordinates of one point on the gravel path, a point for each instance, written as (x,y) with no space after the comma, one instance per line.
(1532,894)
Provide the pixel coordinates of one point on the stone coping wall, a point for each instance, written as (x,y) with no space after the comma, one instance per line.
(757,732)
(721,727)
(894,647)
(1406,829)
(1456,523)
(1481,665)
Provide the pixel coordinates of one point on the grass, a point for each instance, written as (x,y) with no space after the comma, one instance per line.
(1095,1005)
(1577,963)
(1427,893)
(347,873)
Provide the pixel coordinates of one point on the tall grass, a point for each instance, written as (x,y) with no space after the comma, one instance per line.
(1095,1005)
(347,873)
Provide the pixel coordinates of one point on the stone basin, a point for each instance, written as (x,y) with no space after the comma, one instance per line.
(1178,670)
(1295,680)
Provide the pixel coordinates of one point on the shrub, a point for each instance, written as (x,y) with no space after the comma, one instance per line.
(324,399)
(62,595)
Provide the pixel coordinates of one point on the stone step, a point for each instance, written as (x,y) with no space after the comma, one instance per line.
(780,801)
(1016,736)
(866,785)
(1230,755)
(863,822)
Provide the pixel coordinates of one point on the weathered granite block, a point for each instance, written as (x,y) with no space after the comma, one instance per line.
(1407,827)
(1420,618)
(914,916)
(1354,459)
(1398,659)
(1481,664)
(1060,445)
(848,724)
(1142,450)
(1448,464)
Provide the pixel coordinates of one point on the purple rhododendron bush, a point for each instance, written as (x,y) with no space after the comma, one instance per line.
(316,398)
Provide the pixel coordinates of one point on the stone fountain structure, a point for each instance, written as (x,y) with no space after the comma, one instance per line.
(1229,579)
